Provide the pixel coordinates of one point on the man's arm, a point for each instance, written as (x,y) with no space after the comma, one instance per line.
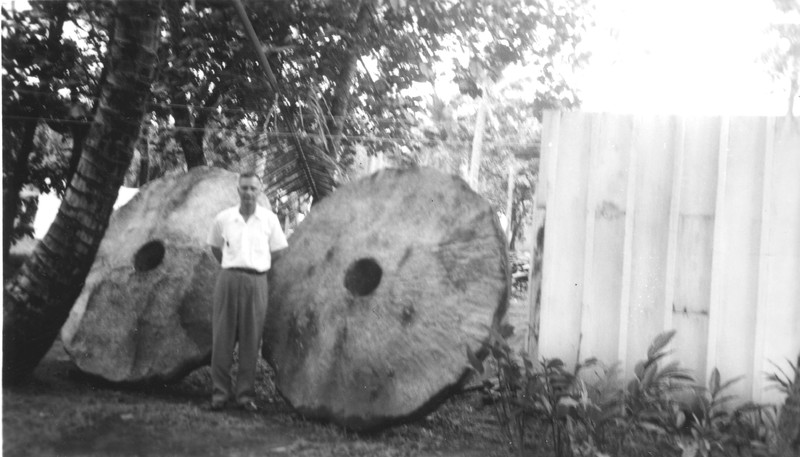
(215,240)
(277,254)
(217,253)
(277,239)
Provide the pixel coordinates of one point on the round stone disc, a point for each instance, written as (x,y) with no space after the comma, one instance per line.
(144,314)
(384,287)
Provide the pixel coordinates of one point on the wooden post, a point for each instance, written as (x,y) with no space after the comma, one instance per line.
(762,305)
(546,177)
(654,145)
(564,249)
(778,320)
(627,251)
(674,219)
(477,142)
(605,235)
(588,301)
(512,170)
(701,180)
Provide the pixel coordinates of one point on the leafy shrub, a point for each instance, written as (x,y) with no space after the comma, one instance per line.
(523,391)
(787,437)
(587,412)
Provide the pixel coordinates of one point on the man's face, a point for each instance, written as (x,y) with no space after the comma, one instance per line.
(249,188)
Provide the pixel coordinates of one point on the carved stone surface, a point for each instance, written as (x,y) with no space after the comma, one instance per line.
(383,288)
(145,311)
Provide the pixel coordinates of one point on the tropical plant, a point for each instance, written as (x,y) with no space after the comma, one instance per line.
(587,412)
(503,388)
(788,436)
(648,395)
(782,380)
(718,428)
(783,57)
(666,410)
(47,76)
(522,391)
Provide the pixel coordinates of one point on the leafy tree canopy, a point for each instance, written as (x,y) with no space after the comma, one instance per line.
(783,57)
(348,74)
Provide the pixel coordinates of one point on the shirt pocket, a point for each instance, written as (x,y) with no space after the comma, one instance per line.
(233,240)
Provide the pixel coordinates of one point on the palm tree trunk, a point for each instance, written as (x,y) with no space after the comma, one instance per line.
(512,169)
(79,132)
(344,82)
(191,140)
(37,299)
(184,135)
(143,172)
(186,138)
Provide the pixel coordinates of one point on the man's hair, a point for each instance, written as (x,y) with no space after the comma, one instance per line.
(248,174)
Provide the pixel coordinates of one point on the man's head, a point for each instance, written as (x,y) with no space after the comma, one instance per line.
(249,188)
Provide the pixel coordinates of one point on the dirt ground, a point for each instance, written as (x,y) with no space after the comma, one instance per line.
(62,412)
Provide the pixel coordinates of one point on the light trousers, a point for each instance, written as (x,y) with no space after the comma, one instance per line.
(240,307)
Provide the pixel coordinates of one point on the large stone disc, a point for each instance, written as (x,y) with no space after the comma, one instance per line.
(144,313)
(382,290)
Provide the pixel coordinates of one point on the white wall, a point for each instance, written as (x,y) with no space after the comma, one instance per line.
(665,222)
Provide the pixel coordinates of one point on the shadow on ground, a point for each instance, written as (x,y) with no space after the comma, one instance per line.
(62,412)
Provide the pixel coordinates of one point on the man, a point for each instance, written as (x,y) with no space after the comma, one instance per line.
(243,239)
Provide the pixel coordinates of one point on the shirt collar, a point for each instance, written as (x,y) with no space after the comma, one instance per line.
(260,213)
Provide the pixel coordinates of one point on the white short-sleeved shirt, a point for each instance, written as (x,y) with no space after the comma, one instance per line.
(247,244)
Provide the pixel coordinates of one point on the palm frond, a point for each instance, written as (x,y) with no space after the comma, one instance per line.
(303,162)
(298,166)
(311,165)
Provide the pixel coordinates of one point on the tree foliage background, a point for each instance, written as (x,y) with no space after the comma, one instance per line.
(354,76)
(784,56)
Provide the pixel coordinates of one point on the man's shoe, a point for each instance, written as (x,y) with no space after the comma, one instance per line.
(249,406)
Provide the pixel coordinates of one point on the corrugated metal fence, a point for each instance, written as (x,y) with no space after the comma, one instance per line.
(668,222)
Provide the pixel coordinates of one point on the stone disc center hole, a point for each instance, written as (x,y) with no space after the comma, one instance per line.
(149,256)
(363,276)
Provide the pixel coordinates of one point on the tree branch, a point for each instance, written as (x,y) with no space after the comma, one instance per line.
(18,175)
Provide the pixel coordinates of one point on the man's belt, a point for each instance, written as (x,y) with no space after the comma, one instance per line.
(249,271)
